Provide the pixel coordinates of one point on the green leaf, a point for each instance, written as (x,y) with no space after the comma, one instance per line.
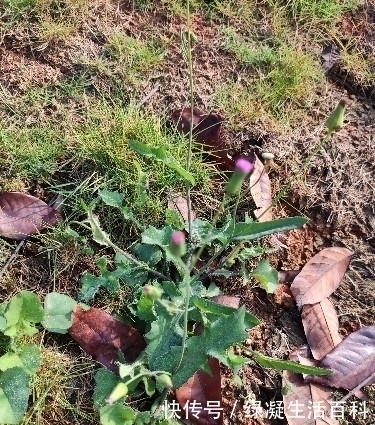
(105,382)
(203,232)
(131,274)
(161,237)
(289,365)
(107,279)
(113,199)
(266,275)
(99,235)
(251,252)
(216,338)
(149,384)
(141,185)
(165,333)
(160,154)
(14,395)
(145,309)
(255,230)
(141,148)
(149,254)
(214,308)
(181,171)
(117,414)
(58,311)
(3,324)
(22,312)
(27,357)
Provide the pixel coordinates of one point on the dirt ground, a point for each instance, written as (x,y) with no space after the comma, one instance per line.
(336,192)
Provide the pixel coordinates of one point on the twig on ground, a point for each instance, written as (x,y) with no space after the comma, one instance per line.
(11,258)
(148,95)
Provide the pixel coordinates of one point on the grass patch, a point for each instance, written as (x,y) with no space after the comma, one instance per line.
(315,10)
(58,390)
(282,83)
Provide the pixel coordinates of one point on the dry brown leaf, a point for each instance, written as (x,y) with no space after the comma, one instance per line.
(203,388)
(302,396)
(206,130)
(260,189)
(352,361)
(102,336)
(179,204)
(321,326)
(321,275)
(23,215)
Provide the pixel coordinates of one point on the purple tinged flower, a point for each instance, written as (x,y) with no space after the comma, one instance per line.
(244,165)
(242,169)
(178,243)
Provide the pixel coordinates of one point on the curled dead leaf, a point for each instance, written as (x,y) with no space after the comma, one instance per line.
(352,361)
(102,336)
(321,326)
(321,275)
(260,189)
(302,395)
(23,215)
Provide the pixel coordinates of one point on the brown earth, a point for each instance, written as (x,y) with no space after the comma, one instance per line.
(336,193)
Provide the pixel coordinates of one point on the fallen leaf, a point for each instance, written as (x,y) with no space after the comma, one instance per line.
(102,336)
(180,205)
(330,55)
(23,215)
(204,390)
(352,361)
(203,387)
(260,189)
(206,130)
(321,275)
(302,396)
(321,326)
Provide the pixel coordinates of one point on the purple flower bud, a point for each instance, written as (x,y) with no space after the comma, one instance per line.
(244,165)
(178,244)
(242,169)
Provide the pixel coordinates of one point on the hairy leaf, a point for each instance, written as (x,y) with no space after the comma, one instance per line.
(27,357)
(105,381)
(102,336)
(260,189)
(113,199)
(22,313)
(219,308)
(321,326)
(58,310)
(321,275)
(117,414)
(22,215)
(214,341)
(14,395)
